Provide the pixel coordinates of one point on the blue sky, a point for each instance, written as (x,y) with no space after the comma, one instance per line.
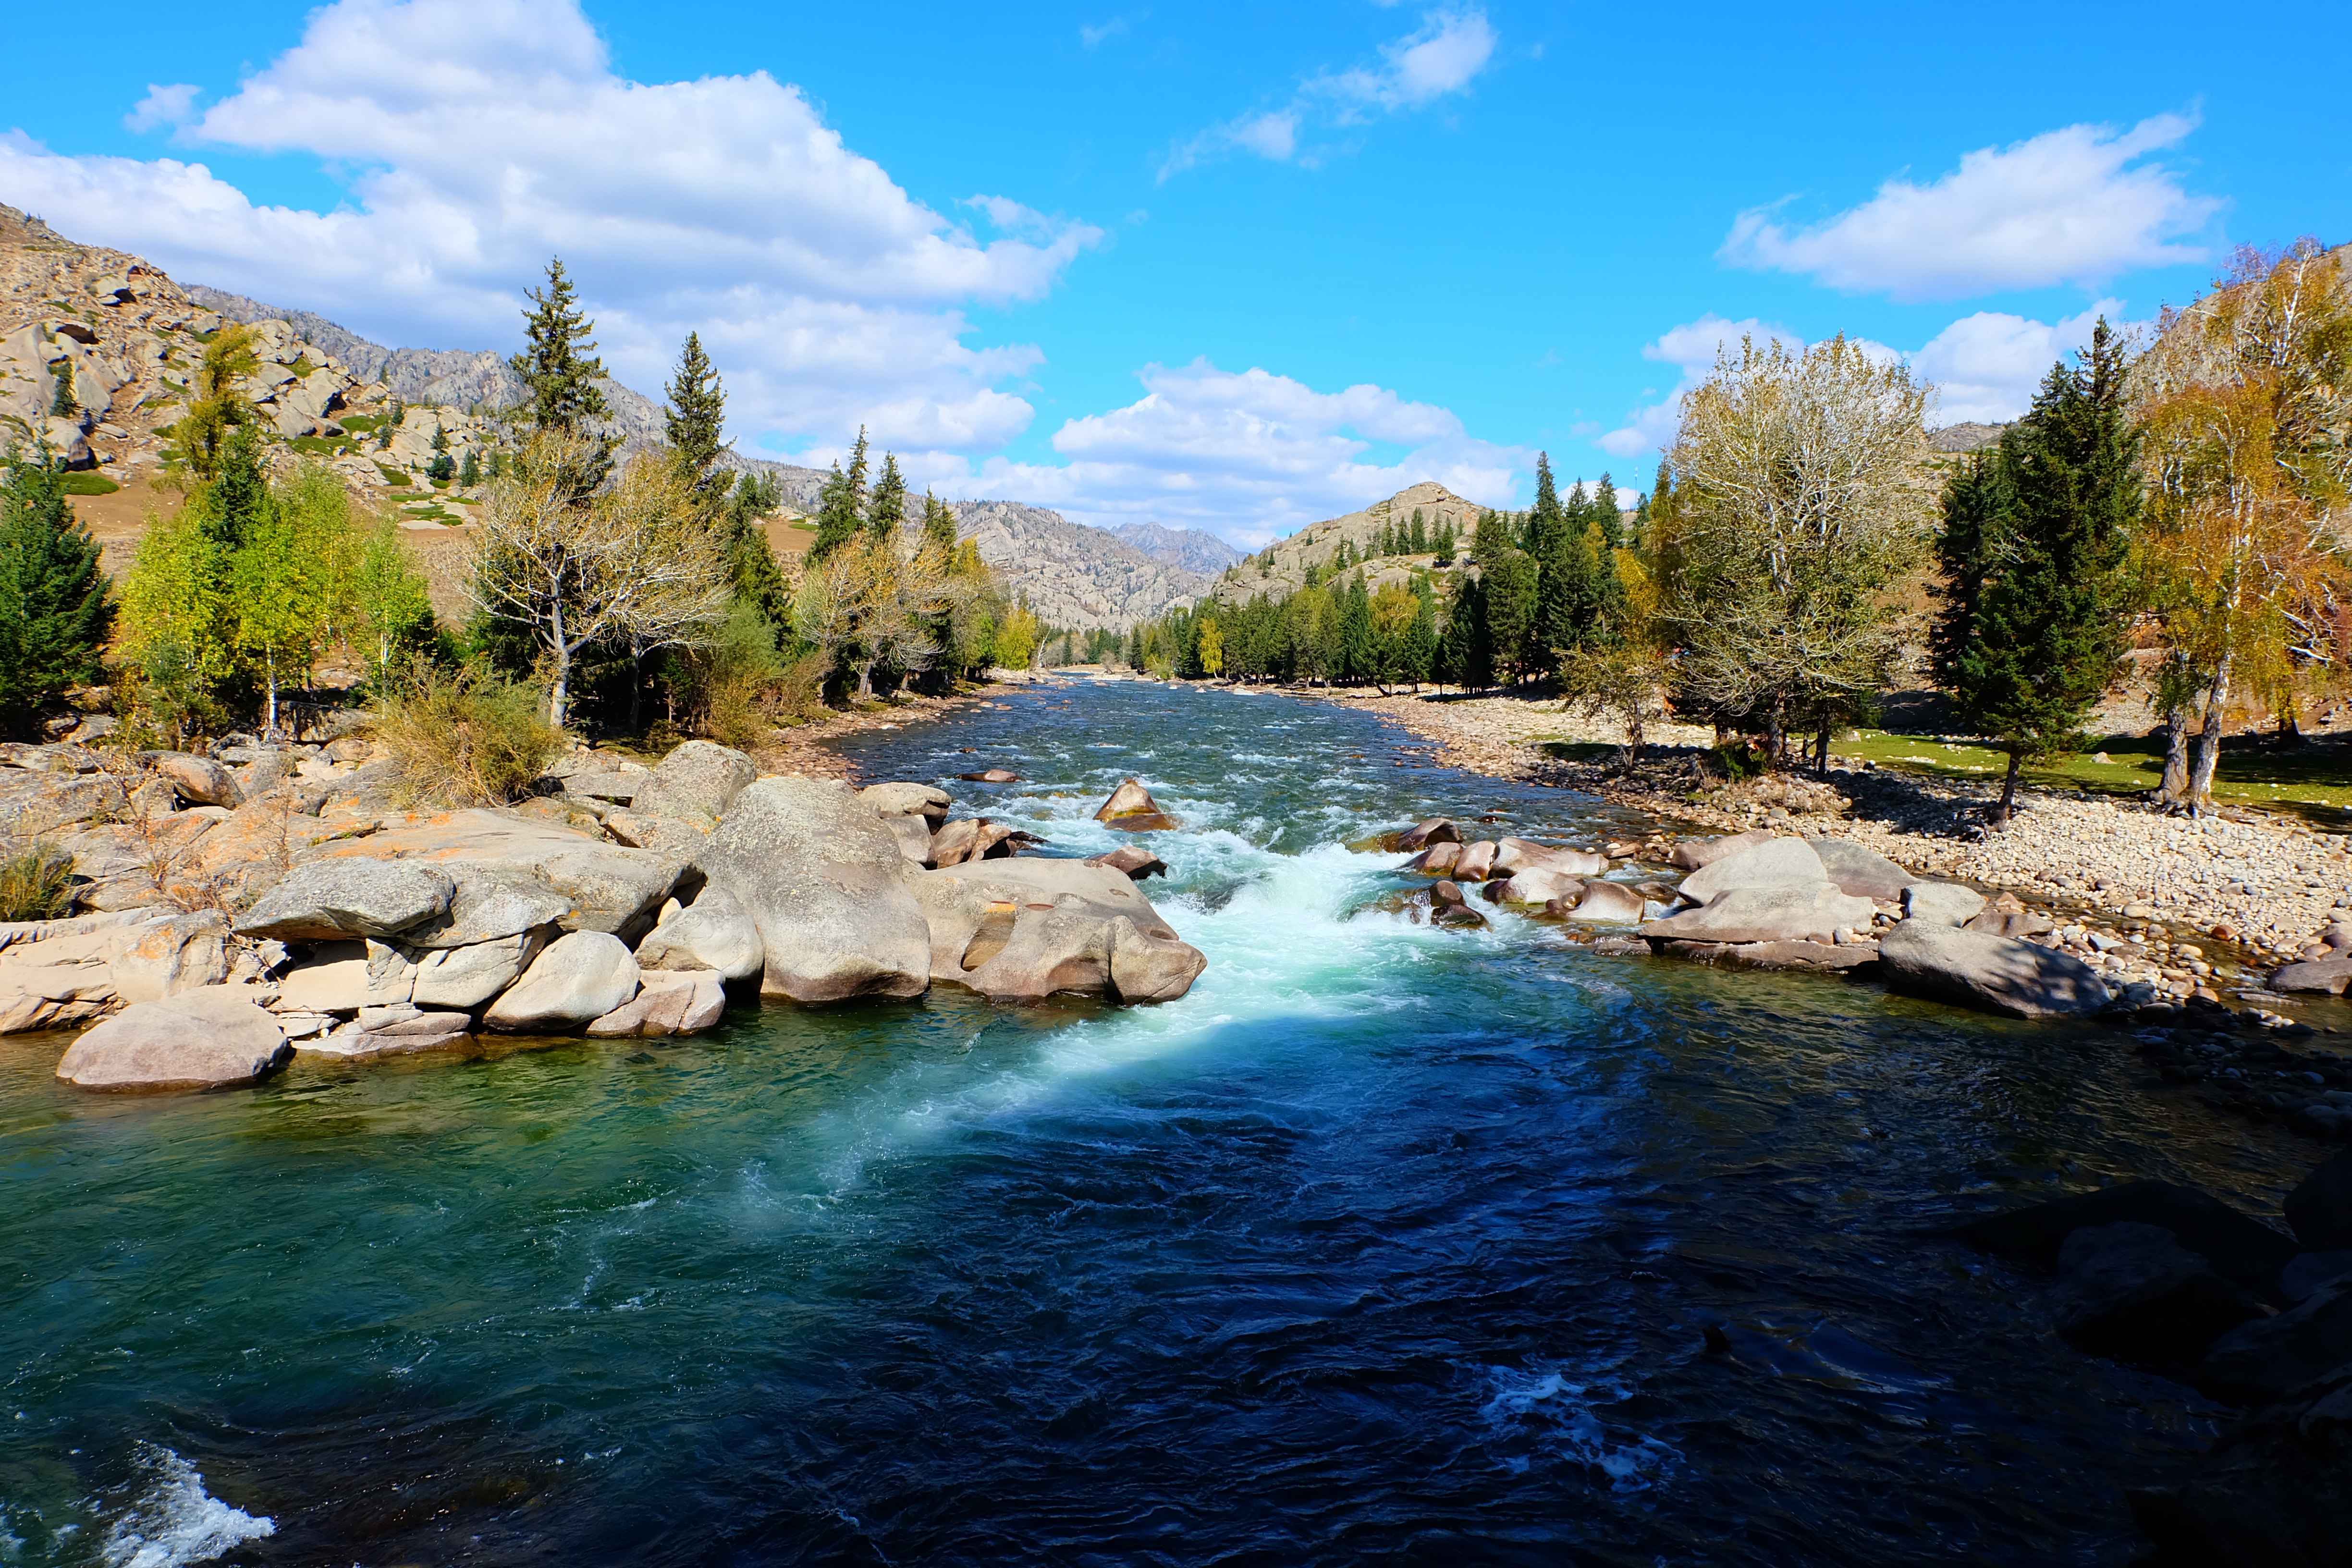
(1231,267)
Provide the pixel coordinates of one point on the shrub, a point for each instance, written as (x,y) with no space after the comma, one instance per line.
(465,738)
(36,882)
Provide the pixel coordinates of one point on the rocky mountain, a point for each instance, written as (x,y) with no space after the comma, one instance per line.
(1280,569)
(1191,550)
(1964,437)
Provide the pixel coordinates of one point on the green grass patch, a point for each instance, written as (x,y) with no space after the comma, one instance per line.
(804,527)
(301,367)
(359,421)
(90,485)
(2312,779)
(393,476)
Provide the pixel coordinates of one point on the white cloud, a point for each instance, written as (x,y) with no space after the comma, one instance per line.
(1442,56)
(1250,454)
(1692,348)
(2073,205)
(163,106)
(1985,367)
(1095,37)
(495,134)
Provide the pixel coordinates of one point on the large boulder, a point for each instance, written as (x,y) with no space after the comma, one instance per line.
(1130,799)
(824,883)
(2270,1358)
(328,899)
(1862,872)
(488,906)
(1540,885)
(1475,861)
(1609,904)
(199,780)
(184,952)
(2132,1290)
(696,783)
(581,976)
(1438,860)
(2332,975)
(1428,831)
(2240,1248)
(200,1039)
(611,888)
(463,978)
(2319,1210)
(1025,930)
(1131,860)
(1996,973)
(1815,911)
(1941,904)
(1695,855)
(1770,867)
(714,933)
(345,976)
(1516,855)
(913,832)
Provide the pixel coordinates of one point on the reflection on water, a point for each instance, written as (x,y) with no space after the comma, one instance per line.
(1386,1242)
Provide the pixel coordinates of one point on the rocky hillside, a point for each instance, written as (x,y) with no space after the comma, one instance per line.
(1280,569)
(1186,549)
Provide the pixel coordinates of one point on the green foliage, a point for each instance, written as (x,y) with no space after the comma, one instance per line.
(759,577)
(62,405)
(35,881)
(464,737)
(469,472)
(2035,607)
(695,418)
(216,407)
(286,579)
(841,504)
(88,485)
(392,620)
(886,514)
(1510,611)
(722,682)
(56,603)
(560,370)
(1418,539)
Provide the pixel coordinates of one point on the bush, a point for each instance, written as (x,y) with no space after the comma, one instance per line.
(36,882)
(467,738)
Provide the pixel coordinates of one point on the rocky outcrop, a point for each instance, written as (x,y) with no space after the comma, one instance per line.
(695,784)
(1025,930)
(581,976)
(1816,913)
(327,899)
(823,882)
(714,933)
(202,1040)
(1996,973)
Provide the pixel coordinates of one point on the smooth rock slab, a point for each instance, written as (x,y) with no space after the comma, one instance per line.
(1941,904)
(465,977)
(1776,864)
(695,783)
(202,1039)
(1608,903)
(1864,873)
(676,1002)
(581,976)
(1808,913)
(1996,973)
(328,899)
(1691,856)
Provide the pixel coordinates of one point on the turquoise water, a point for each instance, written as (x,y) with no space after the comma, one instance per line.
(1384,1244)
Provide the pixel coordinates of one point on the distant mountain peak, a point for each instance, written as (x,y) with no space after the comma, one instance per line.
(1190,549)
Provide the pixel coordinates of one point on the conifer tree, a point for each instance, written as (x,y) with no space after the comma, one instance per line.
(1509,593)
(63,406)
(469,472)
(841,504)
(1490,540)
(1357,660)
(2034,613)
(1420,540)
(694,415)
(1418,657)
(886,514)
(56,604)
(442,468)
(559,373)
(1603,510)
(750,560)
(939,524)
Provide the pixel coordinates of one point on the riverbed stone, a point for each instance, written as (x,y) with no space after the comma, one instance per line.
(1475,861)
(695,783)
(1808,912)
(670,1002)
(2131,1291)
(580,976)
(2270,1358)
(201,1039)
(349,897)
(1774,865)
(1538,885)
(1996,973)
(908,800)
(1428,831)
(1132,862)
(714,933)
(2319,1209)
(1864,873)
(2330,975)
(2240,1248)
(1437,859)
(466,977)
(1516,855)
(1693,855)
(1024,930)
(1941,904)
(827,889)
(1608,903)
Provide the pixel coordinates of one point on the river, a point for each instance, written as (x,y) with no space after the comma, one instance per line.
(1387,1243)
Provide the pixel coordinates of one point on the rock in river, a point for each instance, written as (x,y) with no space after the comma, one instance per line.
(200,1039)
(1998,973)
(714,933)
(1025,930)
(1807,913)
(581,976)
(2239,1248)
(824,883)
(2132,1290)
(1777,864)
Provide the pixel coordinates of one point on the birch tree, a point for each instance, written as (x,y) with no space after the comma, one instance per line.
(1801,509)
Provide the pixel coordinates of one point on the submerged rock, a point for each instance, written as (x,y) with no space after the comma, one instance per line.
(1998,973)
(2241,1249)
(202,1039)
(2132,1290)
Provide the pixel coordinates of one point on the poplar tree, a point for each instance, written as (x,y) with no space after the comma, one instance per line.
(2035,610)
(56,604)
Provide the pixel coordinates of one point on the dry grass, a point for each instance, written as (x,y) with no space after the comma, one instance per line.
(466,739)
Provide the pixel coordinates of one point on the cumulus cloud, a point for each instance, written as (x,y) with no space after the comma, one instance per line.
(2078,205)
(495,134)
(1443,56)
(163,105)
(1249,455)
(1692,348)
(1985,367)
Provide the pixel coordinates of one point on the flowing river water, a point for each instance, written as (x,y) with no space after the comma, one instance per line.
(1387,1243)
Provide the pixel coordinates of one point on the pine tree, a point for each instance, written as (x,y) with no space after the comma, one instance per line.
(558,368)
(886,514)
(1602,510)
(759,579)
(63,406)
(939,524)
(56,604)
(1491,539)
(1420,540)
(695,416)
(469,472)
(441,468)
(1418,657)
(2031,630)
(1357,660)
(1509,591)
(841,504)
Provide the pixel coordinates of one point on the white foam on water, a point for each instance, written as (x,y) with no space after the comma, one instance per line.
(1562,1417)
(173,1521)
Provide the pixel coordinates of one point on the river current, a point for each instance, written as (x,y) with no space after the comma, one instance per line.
(1387,1243)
